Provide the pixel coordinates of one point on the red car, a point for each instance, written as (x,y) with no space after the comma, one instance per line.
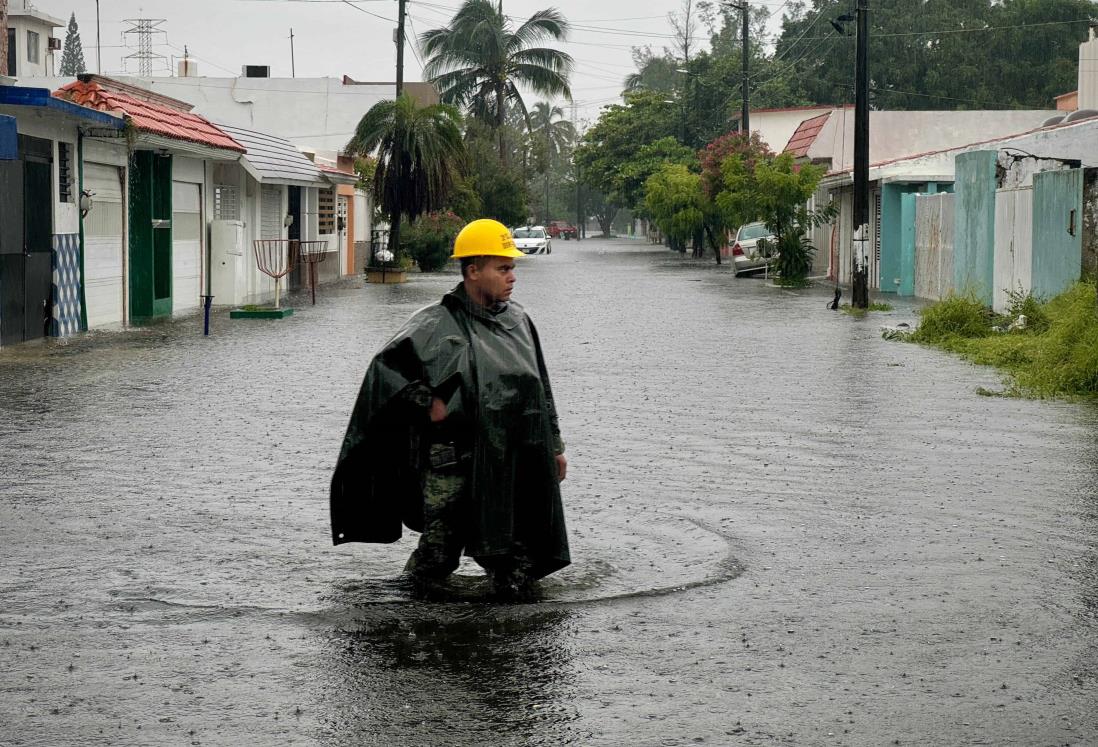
(562,229)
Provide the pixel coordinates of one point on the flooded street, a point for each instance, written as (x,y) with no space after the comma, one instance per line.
(784,529)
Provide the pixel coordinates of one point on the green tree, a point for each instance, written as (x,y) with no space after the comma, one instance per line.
(673,197)
(552,138)
(951,54)
(479,62)
(617,137)
(775,190)
(418,152)
(72,58)
(500,187)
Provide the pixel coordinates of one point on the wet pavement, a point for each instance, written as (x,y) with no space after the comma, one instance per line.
(785,530)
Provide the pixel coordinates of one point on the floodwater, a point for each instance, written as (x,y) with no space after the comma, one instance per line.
(785,530)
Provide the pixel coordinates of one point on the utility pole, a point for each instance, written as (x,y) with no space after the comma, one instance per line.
(745,114)
(859,279)
(579,205)
(98,50)
(293,69)
(745,111)
(400,47)
(548,158)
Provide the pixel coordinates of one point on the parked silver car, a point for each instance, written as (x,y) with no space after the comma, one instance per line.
(747,255)
(532,240)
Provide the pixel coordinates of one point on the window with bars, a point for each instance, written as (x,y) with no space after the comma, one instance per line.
(64,172)
(326,211)
(226,202)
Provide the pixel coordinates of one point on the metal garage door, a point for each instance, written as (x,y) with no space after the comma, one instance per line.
(186,246)
(103,258)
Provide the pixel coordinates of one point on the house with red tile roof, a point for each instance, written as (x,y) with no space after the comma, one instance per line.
(152,180)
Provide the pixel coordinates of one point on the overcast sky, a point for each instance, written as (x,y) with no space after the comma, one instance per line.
(333,38)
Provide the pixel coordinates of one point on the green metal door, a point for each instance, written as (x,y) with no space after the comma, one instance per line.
(1057,230)
(150,236)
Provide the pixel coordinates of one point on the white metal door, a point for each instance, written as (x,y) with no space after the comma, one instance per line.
(1013,263)
(104,275)
(186,246)
(341,229)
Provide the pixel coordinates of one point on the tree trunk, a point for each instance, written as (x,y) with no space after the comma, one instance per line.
(713,243)
(500,101)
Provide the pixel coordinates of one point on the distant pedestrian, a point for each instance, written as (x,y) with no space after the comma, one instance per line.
(455,433)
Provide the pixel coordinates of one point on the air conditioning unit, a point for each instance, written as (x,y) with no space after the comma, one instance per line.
(256,71)
(54,43)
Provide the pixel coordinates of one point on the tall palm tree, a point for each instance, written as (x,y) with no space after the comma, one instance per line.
(554,138)
(551,130)
(478,61)
(418,151)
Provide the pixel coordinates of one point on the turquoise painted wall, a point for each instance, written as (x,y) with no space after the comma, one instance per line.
(974,228)
(898,234)
(1057,230)
(907,242)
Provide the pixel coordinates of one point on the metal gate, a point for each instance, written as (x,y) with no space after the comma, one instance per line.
(1013,261)
(26,236)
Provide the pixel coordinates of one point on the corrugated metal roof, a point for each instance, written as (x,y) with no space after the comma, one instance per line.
(805,135)
(148,116)
(274,160)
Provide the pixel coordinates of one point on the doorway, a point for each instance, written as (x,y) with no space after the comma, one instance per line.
(26,241)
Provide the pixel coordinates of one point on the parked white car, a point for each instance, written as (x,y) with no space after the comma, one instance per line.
(747,255)
(532,240)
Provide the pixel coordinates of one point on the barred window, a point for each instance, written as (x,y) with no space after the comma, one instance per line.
(64,172)
(226,202)
(326,211)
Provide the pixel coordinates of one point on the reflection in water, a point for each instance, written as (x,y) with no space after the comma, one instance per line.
(455,674)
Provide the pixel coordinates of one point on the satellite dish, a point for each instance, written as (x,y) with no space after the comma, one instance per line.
(1053,120)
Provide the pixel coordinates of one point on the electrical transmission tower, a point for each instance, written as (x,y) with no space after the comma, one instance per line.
(144,28)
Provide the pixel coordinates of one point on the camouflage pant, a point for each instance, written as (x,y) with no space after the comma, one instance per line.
(440,545)
(444,519)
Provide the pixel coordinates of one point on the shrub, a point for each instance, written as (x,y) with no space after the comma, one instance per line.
(951,318)
(430,239)
(1054,355)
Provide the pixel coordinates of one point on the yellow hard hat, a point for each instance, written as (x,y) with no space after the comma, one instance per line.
(484,237)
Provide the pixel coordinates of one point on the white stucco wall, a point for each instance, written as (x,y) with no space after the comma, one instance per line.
(775,127)
(320,113)
(899,134)
(45,29)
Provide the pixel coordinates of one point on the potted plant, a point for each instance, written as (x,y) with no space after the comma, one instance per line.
(386,267)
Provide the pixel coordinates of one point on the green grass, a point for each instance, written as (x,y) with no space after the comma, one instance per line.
(1056,355)
(873,306)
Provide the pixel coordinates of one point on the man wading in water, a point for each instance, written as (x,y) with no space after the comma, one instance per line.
(455,434)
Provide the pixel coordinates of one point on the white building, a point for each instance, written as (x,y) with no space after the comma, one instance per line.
(31,41)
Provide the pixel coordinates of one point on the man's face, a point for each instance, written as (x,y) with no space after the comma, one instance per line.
(495,281)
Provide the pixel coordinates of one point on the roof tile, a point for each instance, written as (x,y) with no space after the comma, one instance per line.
(149,117)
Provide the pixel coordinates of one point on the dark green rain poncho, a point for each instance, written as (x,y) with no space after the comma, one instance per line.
(488,368)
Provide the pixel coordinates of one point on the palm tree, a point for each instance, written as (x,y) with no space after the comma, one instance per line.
(556,137)
(479,62)
(418,152)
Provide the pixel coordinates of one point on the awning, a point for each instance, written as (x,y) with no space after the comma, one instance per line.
(273,160)
(40,97)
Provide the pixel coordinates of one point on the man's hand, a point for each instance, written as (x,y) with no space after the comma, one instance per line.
(562,467)
(438,410)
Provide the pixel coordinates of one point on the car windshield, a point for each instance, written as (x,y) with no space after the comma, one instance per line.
(753,231)
(529,233)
